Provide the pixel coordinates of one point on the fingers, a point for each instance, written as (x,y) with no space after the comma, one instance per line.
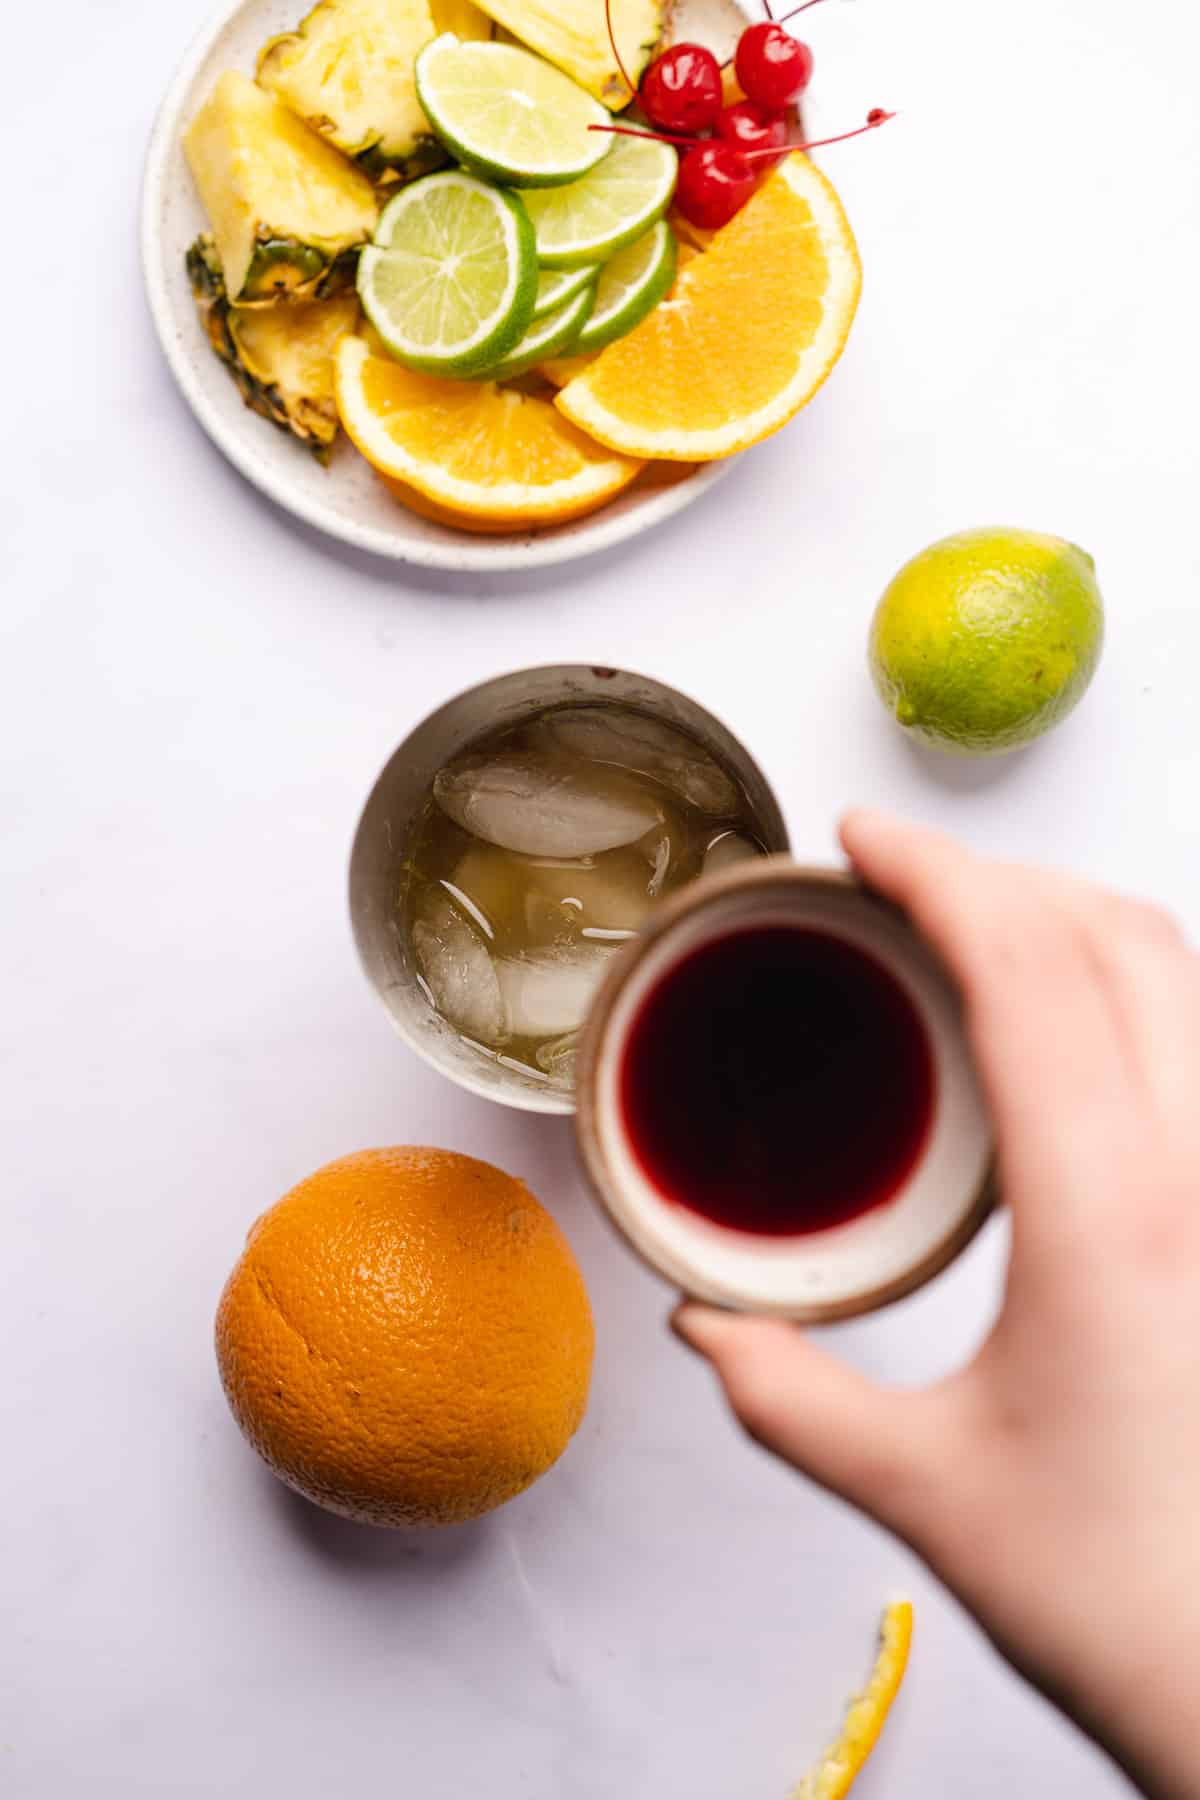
(1006,935)
(1083,1007)
(932,878)
(1041,959)
(956,899)
(872,1447)
(1154,981)
(1141,922)
(1037,1015)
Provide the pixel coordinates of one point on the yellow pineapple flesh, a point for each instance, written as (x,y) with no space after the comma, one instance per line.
(288,212)
(573,34)
(462,17)
(347,71)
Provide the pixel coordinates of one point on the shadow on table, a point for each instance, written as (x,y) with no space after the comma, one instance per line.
(352,1549)
(475,584)
(965,774)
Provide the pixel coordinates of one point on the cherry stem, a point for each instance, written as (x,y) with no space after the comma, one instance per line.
(612,38)
(796,11)
(654,137)
(781,20)
(875,119)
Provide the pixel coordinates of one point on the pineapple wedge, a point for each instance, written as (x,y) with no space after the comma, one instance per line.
(347,71)
(573,34)
(288,213)
(462,17)
(280,356)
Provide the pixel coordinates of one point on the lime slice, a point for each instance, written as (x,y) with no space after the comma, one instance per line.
(555,335)
(508,114)
(450,281)
(557,286)
(613,206)
(630,286)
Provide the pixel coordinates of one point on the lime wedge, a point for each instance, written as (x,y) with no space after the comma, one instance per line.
(451,279)
(555,335)
(509,115)
(630,286)
(617,203)
(557,286)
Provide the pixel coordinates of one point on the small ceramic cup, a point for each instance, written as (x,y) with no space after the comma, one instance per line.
(395,809)
(823,1276)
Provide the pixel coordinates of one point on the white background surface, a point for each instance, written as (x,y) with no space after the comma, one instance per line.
(196,697)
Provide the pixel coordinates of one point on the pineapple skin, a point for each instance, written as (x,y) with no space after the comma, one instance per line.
(573,35)
(397,171)
(288,213)
(280,357)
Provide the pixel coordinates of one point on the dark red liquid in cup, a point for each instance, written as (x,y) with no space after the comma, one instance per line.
(779,1081)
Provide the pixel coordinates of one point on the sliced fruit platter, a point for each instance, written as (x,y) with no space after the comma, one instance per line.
(545,262)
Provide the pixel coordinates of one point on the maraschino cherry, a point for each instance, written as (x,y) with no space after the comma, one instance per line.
(749,126)
(716,178)
(715,182)
(681,90)
(681,93)
(772,66)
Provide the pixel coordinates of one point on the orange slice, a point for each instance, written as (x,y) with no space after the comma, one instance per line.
(753,328)
(837,1770)
(653,477)
(459,521)
(485,452)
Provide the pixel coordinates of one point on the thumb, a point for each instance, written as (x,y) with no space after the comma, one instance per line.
(873,1447)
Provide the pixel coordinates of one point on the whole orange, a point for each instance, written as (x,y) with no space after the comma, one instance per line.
(407,1339)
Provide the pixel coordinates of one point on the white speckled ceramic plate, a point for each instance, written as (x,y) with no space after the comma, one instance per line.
(344,500)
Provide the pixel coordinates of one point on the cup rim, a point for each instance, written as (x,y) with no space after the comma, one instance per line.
(778,871)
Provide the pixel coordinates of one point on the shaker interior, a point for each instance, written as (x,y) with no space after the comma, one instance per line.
(393,812)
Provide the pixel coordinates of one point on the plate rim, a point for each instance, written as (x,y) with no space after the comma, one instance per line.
(473,554)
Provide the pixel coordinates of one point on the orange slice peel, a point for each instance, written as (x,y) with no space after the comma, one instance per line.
(488,454)
(750,333)
(835,1772)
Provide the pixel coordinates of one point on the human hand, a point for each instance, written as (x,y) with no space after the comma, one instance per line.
(1054,1484)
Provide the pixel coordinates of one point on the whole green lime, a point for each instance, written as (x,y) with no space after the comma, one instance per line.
(988,639)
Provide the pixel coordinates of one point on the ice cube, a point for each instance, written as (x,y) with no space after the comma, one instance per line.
(632,741)
(460,973)
(730,848)
(548,994)
(571,900)
(558,1060)
(540,804)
